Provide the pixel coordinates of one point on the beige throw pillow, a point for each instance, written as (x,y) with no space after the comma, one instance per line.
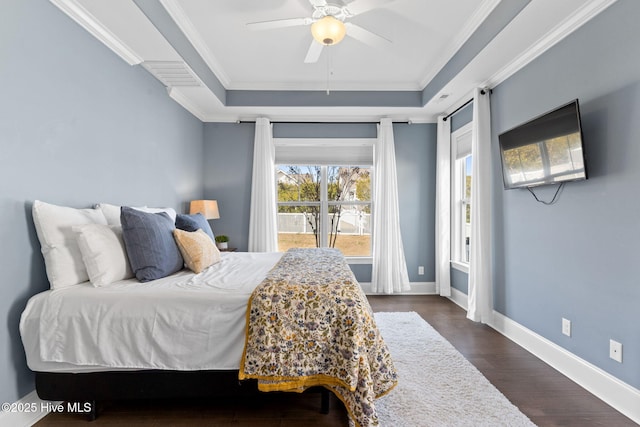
(197,249)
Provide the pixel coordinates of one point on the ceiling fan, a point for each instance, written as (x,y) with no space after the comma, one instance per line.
(329,24)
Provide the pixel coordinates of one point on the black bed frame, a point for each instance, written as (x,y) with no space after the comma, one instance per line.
(94,387)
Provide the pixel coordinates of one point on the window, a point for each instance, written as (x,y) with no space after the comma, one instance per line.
(461,181)
(325,206)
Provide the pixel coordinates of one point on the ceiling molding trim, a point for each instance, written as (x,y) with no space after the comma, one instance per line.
(183,22)
(334,86)
(164,23)
(580,17)
(479,16)
(491,27)
(332,115)
(186,103)
(86,20)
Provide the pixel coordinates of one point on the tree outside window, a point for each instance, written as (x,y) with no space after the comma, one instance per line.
(325,206)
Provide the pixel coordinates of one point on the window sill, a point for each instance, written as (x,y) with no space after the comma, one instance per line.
(460,266)
(359,260)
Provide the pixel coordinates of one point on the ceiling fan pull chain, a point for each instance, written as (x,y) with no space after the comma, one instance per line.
(329,69)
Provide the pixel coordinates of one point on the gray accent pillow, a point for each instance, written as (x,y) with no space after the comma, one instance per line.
(151,248)
(194,222)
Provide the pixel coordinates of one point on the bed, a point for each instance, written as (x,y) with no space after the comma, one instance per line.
(185,321)
(193,334)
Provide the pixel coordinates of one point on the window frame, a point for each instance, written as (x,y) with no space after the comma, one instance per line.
(324,203)
(459,199)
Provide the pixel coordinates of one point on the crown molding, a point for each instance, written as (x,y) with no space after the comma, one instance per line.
(333,86)
(321,114)
(89,22)
(580,17)
(479,16)
(183,22)
(186,103)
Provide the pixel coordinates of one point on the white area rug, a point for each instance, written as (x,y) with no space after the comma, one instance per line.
(437,386)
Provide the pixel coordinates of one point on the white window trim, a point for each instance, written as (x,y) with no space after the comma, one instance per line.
(324,202)
(456,233)
(324,151)
(460,266)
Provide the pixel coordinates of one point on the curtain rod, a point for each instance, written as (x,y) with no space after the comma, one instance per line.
(323,123)
(463,105)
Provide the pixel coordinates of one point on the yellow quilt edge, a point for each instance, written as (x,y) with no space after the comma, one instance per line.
(296,384)
(384,393)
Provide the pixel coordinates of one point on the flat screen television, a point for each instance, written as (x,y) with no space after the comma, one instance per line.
(546,150)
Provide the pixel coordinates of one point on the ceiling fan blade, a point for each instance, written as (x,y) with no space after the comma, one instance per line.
(366,36)
(279,23)
(360,6)
(313,54)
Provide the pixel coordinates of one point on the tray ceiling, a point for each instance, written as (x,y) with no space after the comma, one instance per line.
(438,51)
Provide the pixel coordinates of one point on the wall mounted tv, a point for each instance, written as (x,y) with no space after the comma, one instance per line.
(546,150)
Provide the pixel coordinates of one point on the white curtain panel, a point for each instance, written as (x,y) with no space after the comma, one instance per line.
(443,207)
(480,297)
(263,226)
(389,273)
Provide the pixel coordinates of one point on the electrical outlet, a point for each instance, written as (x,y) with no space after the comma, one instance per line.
(615,351)
(420,270)
(566,327)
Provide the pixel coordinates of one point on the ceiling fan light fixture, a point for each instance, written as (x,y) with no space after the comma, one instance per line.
(328,30)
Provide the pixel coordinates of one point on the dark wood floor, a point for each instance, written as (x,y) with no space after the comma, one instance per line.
(543,394)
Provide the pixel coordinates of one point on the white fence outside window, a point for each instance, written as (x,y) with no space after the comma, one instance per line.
(353,223)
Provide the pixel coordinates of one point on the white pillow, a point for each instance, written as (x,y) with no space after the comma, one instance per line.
(112,212)
(103,253)
(169,211)
(62,257)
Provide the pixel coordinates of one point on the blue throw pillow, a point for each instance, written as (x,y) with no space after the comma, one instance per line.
(194,222)
(151,248)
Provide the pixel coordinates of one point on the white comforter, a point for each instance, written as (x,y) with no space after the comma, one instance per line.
(182,322)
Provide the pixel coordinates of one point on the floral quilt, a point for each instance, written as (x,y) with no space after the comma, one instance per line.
(310,324)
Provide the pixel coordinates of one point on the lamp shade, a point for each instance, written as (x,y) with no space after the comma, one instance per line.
(328,30)
(208,208)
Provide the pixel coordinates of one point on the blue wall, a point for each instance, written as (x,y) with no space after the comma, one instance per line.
(416,165)
(77,126)
(459,280)
(577,258)
(228,153)
(462,117)
(228,160)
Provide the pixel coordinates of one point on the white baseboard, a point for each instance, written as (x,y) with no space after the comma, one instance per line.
(605,386)
(459,297)
(417,288)
(26,411)
(618,394)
